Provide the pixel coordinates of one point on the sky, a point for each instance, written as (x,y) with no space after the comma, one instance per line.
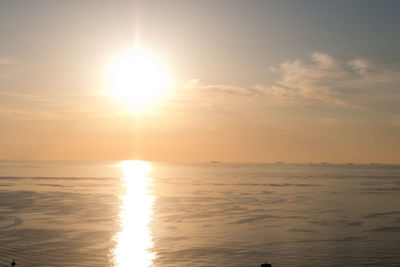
(249,81)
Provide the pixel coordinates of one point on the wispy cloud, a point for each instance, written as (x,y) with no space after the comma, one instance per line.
(6,61)
(322,80)
(50,97)
(25,96)
(327,80)
(316,81)
(329,121)
(16,114)
(361,66)
(223,89)
(46,106)
(8,68)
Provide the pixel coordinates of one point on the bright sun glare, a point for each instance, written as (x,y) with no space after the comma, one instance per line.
(138,78)
(134,241)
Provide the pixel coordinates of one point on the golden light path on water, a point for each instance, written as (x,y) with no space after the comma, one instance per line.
(134,241)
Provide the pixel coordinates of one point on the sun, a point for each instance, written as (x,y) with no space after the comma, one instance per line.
(138,78)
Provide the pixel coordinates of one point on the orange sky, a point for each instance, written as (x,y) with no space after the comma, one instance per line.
(257,82)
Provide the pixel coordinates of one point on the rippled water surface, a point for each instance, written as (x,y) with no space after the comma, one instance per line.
(159,214)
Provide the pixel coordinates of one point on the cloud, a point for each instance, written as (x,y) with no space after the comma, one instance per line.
(329,121)
(325,80)
(24,96)
(316,81)
(223,89)
(319,81)
(50,106)
(231,90)
(18,114)
(6,61)
(8,68)
(324,61)
(360,65)
(322,80)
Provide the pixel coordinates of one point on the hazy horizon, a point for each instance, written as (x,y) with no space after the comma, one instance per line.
(211,161)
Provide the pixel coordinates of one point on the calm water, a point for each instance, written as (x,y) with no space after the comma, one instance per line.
(158,214)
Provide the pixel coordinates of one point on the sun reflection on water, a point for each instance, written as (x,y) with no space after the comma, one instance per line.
(134,241)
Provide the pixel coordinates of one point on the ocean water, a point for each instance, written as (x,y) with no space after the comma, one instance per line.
(166,214)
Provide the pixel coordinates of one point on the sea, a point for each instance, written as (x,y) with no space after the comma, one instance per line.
(137,213)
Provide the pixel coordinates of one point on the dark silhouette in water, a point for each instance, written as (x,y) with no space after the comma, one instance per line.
(13,263)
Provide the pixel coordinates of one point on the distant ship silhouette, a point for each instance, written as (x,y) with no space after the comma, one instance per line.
(374,164)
